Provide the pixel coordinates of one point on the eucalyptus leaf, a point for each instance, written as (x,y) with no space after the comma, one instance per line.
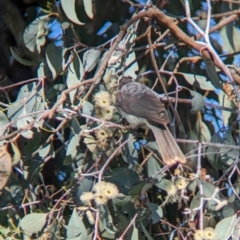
(224,101)
(197,102)
(54,59)
(34,32)
(74,74)
(45,151)
(106,219)
(198,81)
(69,9)
(222,158)
(16,153)
(3,121)
(90,59)
(123,178)
(225,227)
(88,8)
(55,90)
(26,99)
(129,153)
(73,145)
(79,188)
(153,167)
(146,232)
(87,108)
(211,69)
(135,233)
(157,212)
(33,223)
(104,233)
(90,141)
(75,227)
(21,60)
(208,189)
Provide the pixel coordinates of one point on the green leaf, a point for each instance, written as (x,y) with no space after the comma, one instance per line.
(202,131)
(164,184)
(73,145)
(142,187)
(230,36)
(225,227)
(135,233)
(35,33)
(3,122)
(228,211)
(91,59)
(21,60)
(153,167)
(76,227)
(131,71)
(225,102)
(129,153)
(197,102)
(26,99)
(208,190)
(55,60)
(198,81)
(55,90)
(124,178)
(74,74)
(84,186)
(90,141)
(16,155)
(211,69)
(104,233)
(87,108)
(33,223)
(22,123)
(222,158)
(157,212)
(69,9)
(143,213)
(88,8)
(146,232)
(45,151)
(106,219)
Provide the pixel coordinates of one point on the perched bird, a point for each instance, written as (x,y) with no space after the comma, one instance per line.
(140,105)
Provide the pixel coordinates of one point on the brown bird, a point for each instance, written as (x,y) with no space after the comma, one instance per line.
(140,105)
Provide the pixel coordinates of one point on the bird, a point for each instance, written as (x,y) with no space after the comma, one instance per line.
(140,105)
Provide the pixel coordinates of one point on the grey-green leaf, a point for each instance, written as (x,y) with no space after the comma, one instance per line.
(76,227)
(225,227)
(21,60)
(3,122)
(211,69)
(69,9)
(198,81)
(72,148)
(33,223)
(55,60)
(88,8)
(157,212)
(90,59)
(197,102)
(34,31)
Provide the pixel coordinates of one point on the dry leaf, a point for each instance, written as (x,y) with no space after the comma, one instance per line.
(5,165)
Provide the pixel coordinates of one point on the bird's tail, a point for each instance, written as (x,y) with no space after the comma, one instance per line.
(168,148)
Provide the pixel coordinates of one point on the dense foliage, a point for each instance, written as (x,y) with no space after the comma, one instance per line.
(70,166)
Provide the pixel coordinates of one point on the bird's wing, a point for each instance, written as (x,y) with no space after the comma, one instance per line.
(136,99)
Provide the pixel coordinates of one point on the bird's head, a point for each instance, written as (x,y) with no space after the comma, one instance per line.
(124,81)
